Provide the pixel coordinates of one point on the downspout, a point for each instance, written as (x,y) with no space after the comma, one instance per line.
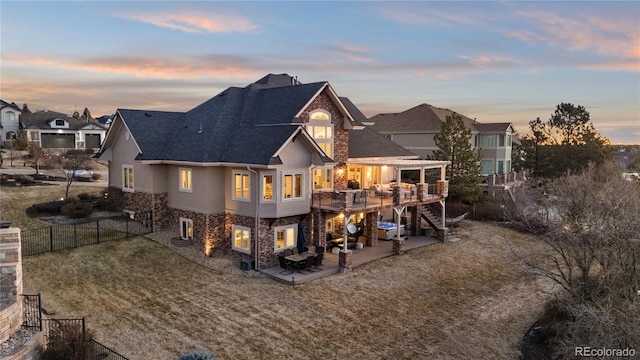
(255,235)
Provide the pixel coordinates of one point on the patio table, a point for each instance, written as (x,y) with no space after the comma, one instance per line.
(299,259)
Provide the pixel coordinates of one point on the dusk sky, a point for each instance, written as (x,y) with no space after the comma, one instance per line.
(493,61)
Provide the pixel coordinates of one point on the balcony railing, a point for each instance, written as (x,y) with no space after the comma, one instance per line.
(356,199)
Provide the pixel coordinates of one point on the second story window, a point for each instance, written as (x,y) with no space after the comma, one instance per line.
(127,177)
(241,186)
(267,188)
(292,186)
(185,179)
(321,130)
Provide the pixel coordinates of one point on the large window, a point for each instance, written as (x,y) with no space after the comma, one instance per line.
(285,237)
(487,167)
(241,238)
(321,130)
(267,188)
(323,179)
(127,177)
(185,179)
(486,141)
(241,186)
(292,186)
(186,229)
(501,140)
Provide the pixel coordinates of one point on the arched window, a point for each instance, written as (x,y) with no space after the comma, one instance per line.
(10,116)
(321,129)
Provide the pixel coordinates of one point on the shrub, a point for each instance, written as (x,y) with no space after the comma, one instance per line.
(96,177)
(198,354)
(76,209)
(49,208)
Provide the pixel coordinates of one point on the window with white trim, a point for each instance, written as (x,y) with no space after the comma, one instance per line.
(487,141)
(127,177)
(241,238)
(292,186)
(241,186)
(267,188)
(323,179)
(285,237)
(186,229)
(487,167)
(321,130)
(185,179)
(35,135)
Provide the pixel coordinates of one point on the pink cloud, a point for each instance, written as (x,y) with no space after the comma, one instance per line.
(195,22)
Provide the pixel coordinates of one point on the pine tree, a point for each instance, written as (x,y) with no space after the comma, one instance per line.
(454,144)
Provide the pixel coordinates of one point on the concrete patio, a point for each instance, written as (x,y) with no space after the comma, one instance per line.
(360,256)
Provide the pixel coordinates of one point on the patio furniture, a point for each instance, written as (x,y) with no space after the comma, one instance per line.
(320,249)
(318,260)
(287,252)
(309,263)
(285,264)
(295,251)
(312,249)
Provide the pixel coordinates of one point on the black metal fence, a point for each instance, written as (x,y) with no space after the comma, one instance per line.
(62,327)
(67,236)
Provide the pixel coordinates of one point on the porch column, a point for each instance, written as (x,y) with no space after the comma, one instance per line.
(398,241)
(415,212)
(319,231)
(344,256)
(371,229)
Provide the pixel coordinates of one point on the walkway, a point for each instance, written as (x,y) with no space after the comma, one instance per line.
(360,256)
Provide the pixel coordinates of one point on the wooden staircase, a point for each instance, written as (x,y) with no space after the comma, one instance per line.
(429,215)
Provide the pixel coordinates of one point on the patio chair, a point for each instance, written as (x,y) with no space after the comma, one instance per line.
(286,265)
(320,250)
(317,261)
(309,263)
(294,251)
(288,252)
(312,249)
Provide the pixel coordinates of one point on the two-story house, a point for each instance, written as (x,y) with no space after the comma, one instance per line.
(415,128)
(9,121)
(54,130)
(250,170)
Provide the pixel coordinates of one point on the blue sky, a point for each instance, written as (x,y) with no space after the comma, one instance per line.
(493,61)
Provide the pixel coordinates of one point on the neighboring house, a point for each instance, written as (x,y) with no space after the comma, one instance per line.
(9,121)
(53,130)
(415,128)
(250,170)
(105,120)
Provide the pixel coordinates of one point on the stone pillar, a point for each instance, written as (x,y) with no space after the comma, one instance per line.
(345,260)
(423,191)
(443,188)
(319,230)
(416,220)
(371,229)
(398,195)
(10,283)
(398,246)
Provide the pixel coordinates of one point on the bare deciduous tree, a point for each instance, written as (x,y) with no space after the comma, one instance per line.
(590,223)
(70,164)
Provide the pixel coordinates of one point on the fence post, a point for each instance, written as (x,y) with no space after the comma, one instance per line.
(83,327)
(51,237)
(97,231)
(126,221)
(40,311)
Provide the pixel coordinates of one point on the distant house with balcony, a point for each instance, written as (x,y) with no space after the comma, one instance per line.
(415,128)
(54,130)
(9,121)
(251,170)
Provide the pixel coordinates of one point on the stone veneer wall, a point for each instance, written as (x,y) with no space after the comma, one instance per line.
(11,316)
(143,202)
(10,282)
(340,139)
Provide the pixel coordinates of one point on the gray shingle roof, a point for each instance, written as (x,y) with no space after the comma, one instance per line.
(240,125)
(421,118)
(367,142)
(493,127)
(41,120)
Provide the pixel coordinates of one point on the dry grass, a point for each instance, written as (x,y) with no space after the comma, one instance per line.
(468,299)
(14,201)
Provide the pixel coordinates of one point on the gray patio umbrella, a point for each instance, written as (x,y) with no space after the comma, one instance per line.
(300,241)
